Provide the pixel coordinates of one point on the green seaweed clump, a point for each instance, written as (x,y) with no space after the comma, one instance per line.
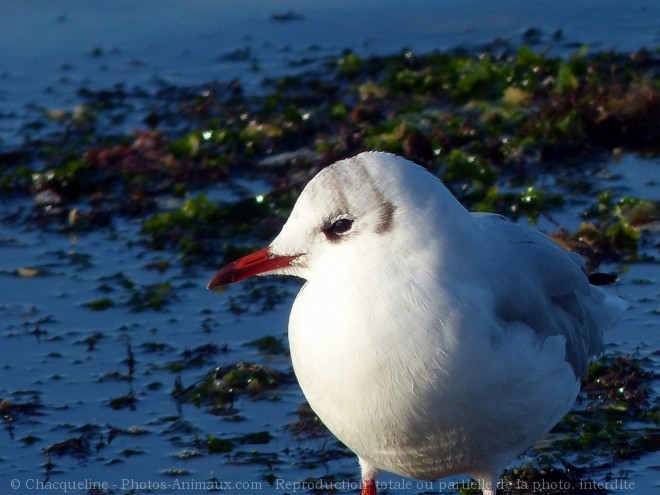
(220,388)
(613,230)
(616,419)
(549,480)
(196,228)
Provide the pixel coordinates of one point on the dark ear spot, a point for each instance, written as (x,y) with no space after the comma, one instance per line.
(386,217)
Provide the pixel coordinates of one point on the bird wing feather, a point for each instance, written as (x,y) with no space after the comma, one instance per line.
(544,287)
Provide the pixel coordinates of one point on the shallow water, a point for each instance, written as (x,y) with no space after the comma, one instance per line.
(67,361)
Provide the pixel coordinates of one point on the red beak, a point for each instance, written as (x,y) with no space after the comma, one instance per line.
(253,264)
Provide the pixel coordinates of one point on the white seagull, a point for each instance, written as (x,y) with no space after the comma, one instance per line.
(431,341)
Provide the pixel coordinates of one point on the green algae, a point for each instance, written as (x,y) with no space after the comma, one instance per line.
(548,479)
(100,304)
(224,385)
(478,120)
(195,228)
(613,229)
(615,417)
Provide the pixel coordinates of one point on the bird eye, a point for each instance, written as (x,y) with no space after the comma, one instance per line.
(337,228)
(341,226)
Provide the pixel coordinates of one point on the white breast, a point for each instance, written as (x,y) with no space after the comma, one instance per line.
(395,383)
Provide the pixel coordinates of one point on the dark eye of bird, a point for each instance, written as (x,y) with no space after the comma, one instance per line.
(337,228)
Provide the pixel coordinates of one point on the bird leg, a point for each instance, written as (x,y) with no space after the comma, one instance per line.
(489,485)
(368,487)
(368,475)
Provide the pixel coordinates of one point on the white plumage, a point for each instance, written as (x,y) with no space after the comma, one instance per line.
(429,340)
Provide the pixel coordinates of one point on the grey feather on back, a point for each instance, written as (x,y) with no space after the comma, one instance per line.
(565,304)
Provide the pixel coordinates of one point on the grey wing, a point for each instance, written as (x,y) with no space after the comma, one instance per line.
(540,284)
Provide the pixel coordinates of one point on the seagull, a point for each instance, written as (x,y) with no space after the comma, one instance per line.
(430,340)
